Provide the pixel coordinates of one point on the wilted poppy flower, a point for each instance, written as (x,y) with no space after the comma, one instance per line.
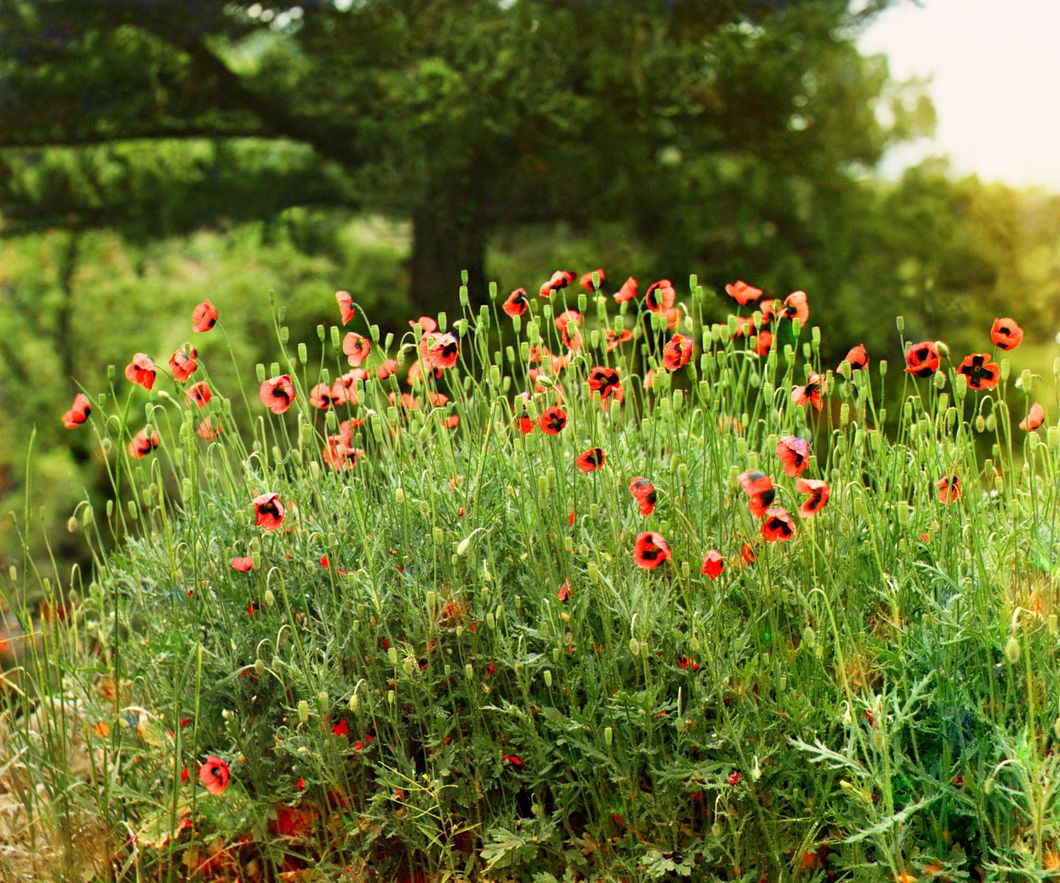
(204,316)
(242,565)
(214,775)
(796,307)
(615,339)
(557,282)
(277,393)
(677,352)
(345,302)
(516,304)
(269,511)
(564,592)
(644,493)
(810,393)
(818,495)
(1005,333)
(922,359)
(794,454)
(777,526)
(948,488)
(980,371)
(591,460)
(660,296)
(553,420)
(1035,418)
(759,488)
(627,292)
(199,394)
(141,370)
(650,550)
(183,362)
(208,430)
(743,293)
(78,412)
(356,347)
(321,396)
(587,282)
(713,564)
(857,358)
(605,381)
(142,444)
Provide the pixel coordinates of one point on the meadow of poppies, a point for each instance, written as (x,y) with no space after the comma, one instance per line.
(571,586)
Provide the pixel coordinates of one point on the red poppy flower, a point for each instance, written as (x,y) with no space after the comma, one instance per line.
(745,326)
(321,396)
(553,420)
(818,495)
(627,292)
(660,296)
(587,283)
(857,358)
(564,592)
(677,352)
(517,303)
(713,564)
(183,362)
(748,554)
(78,412)
(650,550)
(922,359)
(208,430)
(591,460)
(269,511)
(643,492)
(204,317)
(345,302)
(1005,333)
(777,526)
(796,307)
(277,393)
(686,661)
(763,342)
(810,393)
(525,424)
(341,728)
(1035,418)
(615,339)
(948,488)
(743,293)
(980,371)
(439,351)
(142,444)
(605,381)
(407,402)
(356,347)
(759,488)
(388,367)
(794,454)
(141,370)
(426,323)
(558,281)
(199,394)
(242,565)
(214,775)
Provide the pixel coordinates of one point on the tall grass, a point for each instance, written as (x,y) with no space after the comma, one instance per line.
(445,663)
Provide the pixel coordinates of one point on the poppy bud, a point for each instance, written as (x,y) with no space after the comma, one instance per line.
(1052,625)
(71,524)
(12,573)
(270,598)
(940,380)
(609,736)
(132,510)
(391,654)
(991,422)
(980,423)
(303,353)
(469,672)
(303,711)
(883,367)
(443,321)
(988,786)
(634,647)
(491,624)
(285,335)
(410,667)
(110,372)
(1012,650)
(499,613)
(87,516)
(259,665)
(391,696)
(809,636)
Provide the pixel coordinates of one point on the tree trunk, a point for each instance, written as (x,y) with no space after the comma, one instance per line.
(448,235)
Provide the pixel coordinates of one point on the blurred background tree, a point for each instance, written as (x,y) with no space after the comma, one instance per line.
(156,152)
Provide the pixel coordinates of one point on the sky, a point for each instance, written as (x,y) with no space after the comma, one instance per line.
(995,82)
